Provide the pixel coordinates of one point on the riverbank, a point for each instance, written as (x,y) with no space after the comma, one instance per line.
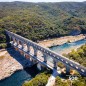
(8,65)
(59,41)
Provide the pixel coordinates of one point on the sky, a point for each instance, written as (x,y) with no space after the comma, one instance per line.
(43,0)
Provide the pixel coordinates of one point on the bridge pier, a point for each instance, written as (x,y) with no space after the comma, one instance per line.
(35,52)
(55,64)
(13,41)
(22,46)
(28,48)
(67,69)
(24,54)
(40,67)
(16,41)
(45,57)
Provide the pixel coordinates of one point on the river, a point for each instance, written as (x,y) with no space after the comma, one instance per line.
(65,48)
(20,76)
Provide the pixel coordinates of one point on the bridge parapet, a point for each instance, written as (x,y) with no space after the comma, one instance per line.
(46,52)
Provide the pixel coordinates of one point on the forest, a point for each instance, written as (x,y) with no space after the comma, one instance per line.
(78,55)
(38,21)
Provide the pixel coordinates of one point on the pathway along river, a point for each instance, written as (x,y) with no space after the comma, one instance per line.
(20,76)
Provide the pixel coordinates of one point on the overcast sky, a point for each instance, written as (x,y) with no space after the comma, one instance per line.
(42,0)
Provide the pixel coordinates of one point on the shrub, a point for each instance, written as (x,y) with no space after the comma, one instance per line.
(39,80)
(3,45)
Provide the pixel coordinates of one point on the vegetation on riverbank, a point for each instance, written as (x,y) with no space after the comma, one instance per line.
(80,82)
(78,55)
(2,39)
(3,45)
(40,80)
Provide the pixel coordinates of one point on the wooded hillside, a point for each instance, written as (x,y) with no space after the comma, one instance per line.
(37,21)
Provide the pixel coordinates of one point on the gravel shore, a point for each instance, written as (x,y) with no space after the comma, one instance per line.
(8,65)
(61,40)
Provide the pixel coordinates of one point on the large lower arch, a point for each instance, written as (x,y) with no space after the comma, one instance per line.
(24,47)
(31,50)
(40,55)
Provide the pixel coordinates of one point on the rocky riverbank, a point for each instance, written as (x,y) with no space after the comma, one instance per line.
(8,65)
(61,40)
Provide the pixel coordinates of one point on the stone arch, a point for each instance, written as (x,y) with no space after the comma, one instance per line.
(32,50)
(31,59)
(11,38)
(39,66)
(21,52)
(50,59)
(40,55)
(15,41)
(24,46)
(70,69)
(28,48)
(20,44)
(27,56)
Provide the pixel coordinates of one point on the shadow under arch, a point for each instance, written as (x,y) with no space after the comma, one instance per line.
(21,59)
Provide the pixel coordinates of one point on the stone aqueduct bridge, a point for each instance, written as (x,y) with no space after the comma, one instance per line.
(21,42)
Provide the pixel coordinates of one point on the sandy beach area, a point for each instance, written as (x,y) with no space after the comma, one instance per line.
(8,65)
(61,40)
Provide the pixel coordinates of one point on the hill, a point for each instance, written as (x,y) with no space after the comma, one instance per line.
(38,21)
